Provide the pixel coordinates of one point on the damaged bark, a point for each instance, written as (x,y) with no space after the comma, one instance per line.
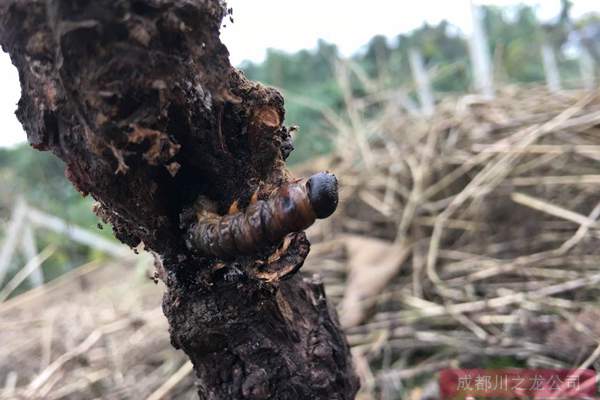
(139,100)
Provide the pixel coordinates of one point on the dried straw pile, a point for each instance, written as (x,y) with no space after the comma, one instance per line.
(460,238)
(96,333)
(469,239)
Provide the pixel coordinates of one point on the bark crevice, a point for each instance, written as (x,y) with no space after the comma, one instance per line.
(139,100)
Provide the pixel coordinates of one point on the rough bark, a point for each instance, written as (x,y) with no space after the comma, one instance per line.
(139,100)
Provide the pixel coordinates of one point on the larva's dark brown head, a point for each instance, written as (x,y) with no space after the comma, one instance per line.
(323,193)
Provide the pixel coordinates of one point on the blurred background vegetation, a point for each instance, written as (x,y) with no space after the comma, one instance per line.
(38,178)
(308,80)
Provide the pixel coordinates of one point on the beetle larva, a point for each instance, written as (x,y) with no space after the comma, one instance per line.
(292,208)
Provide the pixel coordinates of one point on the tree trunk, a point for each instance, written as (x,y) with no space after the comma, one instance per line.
(139,100)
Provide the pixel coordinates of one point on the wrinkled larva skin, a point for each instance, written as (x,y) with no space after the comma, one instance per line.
(292,208)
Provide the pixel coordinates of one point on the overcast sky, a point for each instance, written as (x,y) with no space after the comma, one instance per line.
(293,25)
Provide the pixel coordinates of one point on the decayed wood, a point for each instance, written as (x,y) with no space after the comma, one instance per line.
(139,100)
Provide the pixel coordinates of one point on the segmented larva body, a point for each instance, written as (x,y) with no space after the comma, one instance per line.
(292,208)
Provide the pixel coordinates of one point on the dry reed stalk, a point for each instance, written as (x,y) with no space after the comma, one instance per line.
(499,201)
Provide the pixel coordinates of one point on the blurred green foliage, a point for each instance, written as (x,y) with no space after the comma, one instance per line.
(308,78)
(38,177)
